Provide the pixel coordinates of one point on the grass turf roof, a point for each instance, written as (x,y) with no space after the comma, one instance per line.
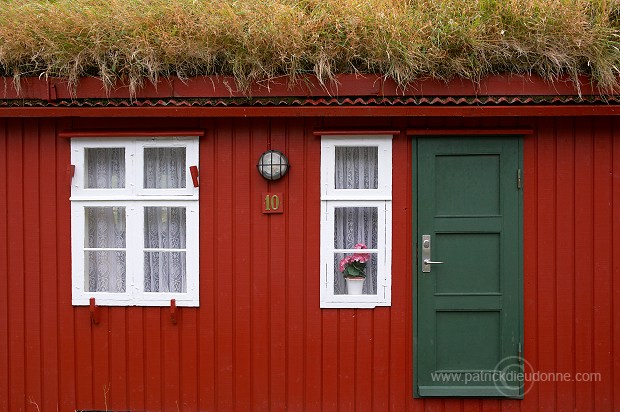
(254,40)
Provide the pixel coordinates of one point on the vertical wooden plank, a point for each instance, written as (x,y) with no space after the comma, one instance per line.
(347,352)
(296,230)
(136,358)
(363,359)
(616,263)
(83,342)
(4,270)
(101,359)
(171,378)
(565,260)
(189,356)
(277,281)
(32,265)
(224,276)
(381,359)
(530,259)
(119,359)
(491,405)
(330,359)
(69,379)
(453,405)
(546,260)
(153,367)
(602,264)
(206,315)
(261,300)
(434,405)
(313,344)
(472,405)
(49,275)
(584,234)
(16,286)
(402,274)
(242,176)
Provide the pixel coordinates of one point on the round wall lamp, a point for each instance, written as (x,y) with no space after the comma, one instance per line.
(272,165)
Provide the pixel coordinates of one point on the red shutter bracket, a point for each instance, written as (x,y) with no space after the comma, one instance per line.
(173,311)
(94,312)
(70,173)
(194,171)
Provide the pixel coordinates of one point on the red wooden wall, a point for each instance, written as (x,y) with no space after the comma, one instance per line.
(259,340)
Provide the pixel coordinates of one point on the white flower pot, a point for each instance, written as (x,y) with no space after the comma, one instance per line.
(355,286)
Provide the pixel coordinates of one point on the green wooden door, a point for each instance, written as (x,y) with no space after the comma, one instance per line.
(468,315)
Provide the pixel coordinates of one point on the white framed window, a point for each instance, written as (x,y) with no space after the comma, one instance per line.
(134,221)
(356,220)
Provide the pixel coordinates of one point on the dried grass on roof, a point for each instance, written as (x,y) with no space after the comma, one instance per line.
(254,40)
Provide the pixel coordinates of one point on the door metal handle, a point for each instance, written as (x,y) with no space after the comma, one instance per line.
(426,254)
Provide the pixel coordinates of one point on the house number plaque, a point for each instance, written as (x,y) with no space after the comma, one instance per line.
(272,203)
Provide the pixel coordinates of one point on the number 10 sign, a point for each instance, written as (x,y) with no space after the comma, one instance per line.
(272,203)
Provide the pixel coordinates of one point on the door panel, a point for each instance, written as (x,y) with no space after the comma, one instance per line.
(468,307)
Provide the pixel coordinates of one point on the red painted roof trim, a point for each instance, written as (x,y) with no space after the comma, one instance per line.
(130,133)
(52,89)
(462,132)
(353,132)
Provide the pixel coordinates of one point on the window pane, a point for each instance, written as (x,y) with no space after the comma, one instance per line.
(165,272)
(355,225)
(164,167)
(357,167)
(164,227)
(105,168)
(105,227)
(366,262)
(104,271)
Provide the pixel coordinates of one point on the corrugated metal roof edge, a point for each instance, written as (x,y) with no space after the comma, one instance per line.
(292,101)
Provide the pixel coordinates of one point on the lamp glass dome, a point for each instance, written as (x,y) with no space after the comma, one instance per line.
(272,165)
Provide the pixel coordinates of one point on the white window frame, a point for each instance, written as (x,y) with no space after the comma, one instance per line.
(134,198)
(332,198)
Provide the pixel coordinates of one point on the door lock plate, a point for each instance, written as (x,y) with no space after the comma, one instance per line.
(426,253)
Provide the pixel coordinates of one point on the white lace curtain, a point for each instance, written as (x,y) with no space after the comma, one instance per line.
(105,229)
(105,168)
(164,227)
(164,167)
(356,168)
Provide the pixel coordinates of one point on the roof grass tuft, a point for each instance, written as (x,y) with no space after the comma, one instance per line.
(253,40)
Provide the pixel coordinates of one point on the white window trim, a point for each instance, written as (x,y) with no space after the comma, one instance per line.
(380,198)
(134,199)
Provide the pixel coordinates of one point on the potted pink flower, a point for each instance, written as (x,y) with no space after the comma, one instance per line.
(352,268)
